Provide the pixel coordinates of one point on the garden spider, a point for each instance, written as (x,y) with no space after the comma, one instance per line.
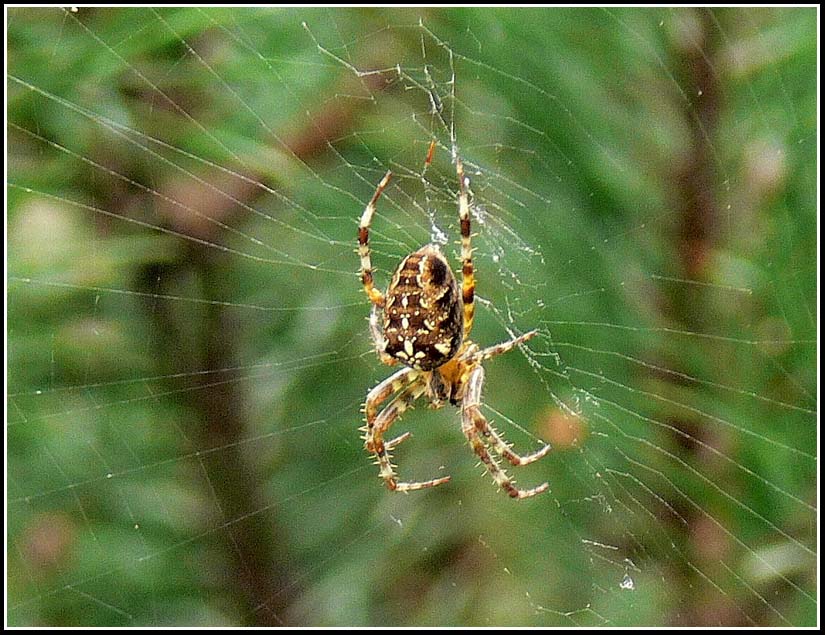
(426,324)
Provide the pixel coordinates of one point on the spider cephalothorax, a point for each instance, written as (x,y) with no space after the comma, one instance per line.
(425,321)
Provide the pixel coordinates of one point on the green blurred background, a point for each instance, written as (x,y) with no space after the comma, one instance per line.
(188,349)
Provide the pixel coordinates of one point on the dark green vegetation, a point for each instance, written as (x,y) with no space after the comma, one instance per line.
(188,349)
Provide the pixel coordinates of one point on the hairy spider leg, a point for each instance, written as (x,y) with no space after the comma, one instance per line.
(468,280)
(384,391)
(375,295)
(505,449)
(504,347)
(499,444)
(374,439)
(473,423)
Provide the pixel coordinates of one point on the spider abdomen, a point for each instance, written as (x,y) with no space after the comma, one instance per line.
(423,313)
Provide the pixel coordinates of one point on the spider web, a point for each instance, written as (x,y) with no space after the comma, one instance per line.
(188,350)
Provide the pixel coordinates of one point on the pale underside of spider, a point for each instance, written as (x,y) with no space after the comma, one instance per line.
(423,321)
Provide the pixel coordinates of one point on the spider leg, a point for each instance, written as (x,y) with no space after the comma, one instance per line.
(504,448)
(375,444)
(474,423)
(504,347)
(488,430)
(384,391)
(468,281)
(501,446)
(375,296)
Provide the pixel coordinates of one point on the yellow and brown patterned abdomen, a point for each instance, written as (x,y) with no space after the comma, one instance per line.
(423,315)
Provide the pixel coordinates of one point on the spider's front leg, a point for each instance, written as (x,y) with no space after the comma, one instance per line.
(468,280)
(374,440)
(474,423)
(375,296)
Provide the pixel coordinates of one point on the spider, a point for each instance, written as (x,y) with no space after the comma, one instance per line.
(425,323)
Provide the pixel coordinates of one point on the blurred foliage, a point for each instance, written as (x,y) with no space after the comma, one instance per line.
(182,444)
